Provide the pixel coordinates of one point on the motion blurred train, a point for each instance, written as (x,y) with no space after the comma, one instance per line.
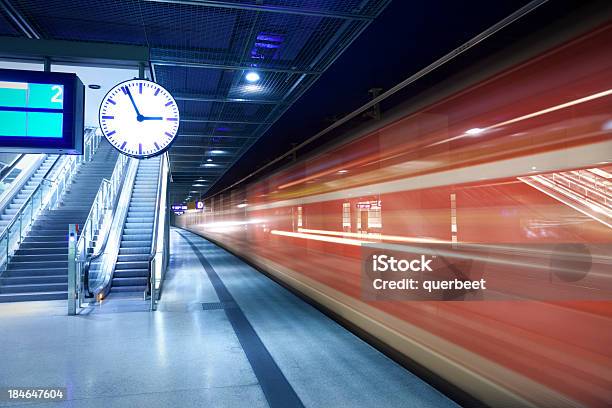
(509,165)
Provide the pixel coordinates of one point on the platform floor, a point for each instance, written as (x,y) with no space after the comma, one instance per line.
(224,336)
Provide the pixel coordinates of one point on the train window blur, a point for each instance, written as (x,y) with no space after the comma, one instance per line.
(517,166)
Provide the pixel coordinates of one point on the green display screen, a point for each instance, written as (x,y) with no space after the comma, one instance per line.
(31,110)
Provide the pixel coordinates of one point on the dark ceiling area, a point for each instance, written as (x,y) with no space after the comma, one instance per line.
(406,37)
(252,78)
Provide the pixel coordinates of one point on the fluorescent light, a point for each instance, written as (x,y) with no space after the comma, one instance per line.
(200,180)
(242,205)
(208,160)
(252,88)
(198,185)
(208,165)
(217,151)
(342,171)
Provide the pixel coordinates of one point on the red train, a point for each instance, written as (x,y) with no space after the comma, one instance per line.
(512,169)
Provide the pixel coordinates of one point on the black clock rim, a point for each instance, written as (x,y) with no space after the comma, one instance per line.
(140,156)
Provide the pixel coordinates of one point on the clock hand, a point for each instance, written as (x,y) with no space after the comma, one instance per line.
(128,93)
(152,118)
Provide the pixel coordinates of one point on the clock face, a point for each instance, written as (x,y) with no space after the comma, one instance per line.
(140,118)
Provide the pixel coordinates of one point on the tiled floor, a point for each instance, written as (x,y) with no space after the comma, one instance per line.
(184,356)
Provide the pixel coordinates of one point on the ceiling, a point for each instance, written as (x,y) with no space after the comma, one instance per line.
(202,52)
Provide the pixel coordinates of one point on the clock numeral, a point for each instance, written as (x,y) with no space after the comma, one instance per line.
(169,103)
(123,145)
(156,92)
(109,134)
(108,117)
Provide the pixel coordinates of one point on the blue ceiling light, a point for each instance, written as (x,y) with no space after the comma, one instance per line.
(252,76)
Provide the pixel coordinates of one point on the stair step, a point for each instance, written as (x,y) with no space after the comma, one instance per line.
(47,257)
(133,257)
(38,264)
(24,297)
(138,281)
(120,266)
(14,273)
(131,273)
(135,244)
(135,251)
(42,251)
(30,243)
(26,280)
(136,237)
(35,287)
(124,289)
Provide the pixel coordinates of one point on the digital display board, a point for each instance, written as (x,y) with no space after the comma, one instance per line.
(41,112)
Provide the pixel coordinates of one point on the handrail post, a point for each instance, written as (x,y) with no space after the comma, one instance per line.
(153,295)
(72,281)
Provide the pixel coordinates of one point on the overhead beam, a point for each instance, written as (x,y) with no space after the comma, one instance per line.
(180,146)
(214,136)
(181,63)
(205,98)
(73,52)
(20,22)
(269,9)
(231,122)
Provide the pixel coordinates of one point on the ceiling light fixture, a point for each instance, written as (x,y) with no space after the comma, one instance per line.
(252,76)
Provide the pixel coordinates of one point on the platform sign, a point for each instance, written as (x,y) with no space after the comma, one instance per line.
(179,209)
(41,112)
(199,205)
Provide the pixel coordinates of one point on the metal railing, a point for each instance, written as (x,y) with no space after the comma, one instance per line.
(160,245)
(45,197)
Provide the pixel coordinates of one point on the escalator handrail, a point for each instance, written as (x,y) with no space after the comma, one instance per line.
(108,257)
(20,181)
(120,168)
(27,202)
(7,169)
(153,251)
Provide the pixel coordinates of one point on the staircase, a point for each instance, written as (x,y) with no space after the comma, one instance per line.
(39,268)
(26,191)
(131,270)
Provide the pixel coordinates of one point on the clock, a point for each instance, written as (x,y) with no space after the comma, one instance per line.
(139,118)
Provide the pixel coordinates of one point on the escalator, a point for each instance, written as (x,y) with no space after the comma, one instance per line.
(131,269)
